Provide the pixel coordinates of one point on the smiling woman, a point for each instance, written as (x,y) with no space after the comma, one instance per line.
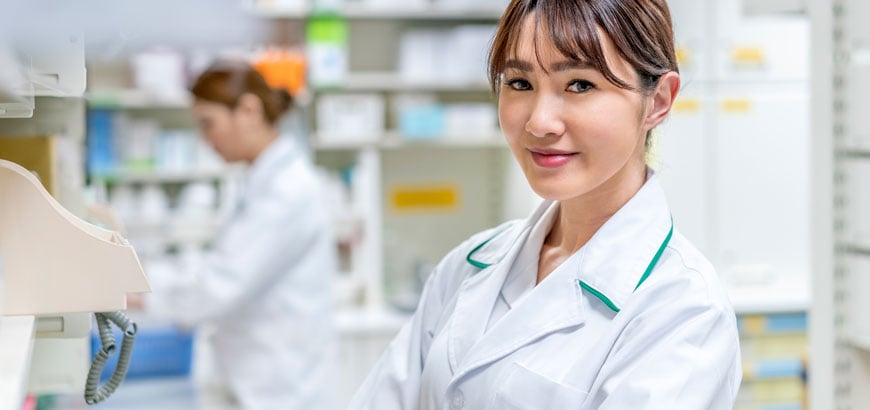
(595,301)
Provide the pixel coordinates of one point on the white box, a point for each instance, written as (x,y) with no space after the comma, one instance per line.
(350,117)
(858,286)
(470,121)
(857,106)
(421,55)
(468,49)
(856,178)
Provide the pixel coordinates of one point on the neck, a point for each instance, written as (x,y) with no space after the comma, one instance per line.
(579,218)
(259,142)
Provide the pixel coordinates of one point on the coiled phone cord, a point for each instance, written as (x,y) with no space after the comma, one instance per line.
(94,393)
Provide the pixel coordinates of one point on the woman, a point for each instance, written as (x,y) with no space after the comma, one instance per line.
(595,301)
(265,284)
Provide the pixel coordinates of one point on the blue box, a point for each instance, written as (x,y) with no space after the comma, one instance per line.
(422,123)
(157,352)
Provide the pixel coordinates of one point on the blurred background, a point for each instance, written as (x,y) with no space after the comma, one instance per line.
(765,160)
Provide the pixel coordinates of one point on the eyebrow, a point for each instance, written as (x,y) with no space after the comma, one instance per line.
(563,65)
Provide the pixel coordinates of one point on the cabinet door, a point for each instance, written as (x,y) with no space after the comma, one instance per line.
(760,47)
(681,160)
(761,212)
(693,38)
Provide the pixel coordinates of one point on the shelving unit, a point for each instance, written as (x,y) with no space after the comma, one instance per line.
(134,177)
(395,140)
(391,81)
(374,12)
(135,99)
(16,347)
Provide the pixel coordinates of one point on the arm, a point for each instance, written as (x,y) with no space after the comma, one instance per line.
(256,248)
(672,357)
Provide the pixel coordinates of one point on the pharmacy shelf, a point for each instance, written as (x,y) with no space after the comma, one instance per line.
(135,99)
(857,249)
(359,12)
(16,347)
(396,140)
(766,7)
(165,176)
(174,228)
(860,342)
(788,297)
(393,81)
(862,152)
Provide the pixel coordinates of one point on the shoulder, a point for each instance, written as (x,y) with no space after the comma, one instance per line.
(685,280)
(294,185)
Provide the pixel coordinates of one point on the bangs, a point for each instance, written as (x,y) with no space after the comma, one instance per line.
(573,30)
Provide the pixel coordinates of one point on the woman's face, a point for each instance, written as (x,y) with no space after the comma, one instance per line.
(217,124)
(572,131)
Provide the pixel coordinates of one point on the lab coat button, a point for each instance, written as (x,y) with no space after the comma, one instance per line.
(458,401)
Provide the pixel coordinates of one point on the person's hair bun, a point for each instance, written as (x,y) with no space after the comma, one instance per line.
(283,100)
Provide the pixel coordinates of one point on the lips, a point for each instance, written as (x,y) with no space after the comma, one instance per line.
(547,158)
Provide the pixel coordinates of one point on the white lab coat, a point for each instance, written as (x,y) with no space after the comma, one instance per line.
(584,338)
(266,287)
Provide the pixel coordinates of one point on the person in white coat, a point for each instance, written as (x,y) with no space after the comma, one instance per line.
(265,284)
(595,301)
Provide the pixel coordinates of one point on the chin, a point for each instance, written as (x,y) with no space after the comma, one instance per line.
(557,190)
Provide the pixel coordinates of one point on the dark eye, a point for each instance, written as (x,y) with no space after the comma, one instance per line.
(518,84)
(580,86)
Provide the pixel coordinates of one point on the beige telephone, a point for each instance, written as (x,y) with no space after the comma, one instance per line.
(55,263)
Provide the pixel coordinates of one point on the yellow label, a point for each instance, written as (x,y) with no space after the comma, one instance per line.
(737,105)
(747,56)
(433,197)
(754,324)
(684,55)
(686,106)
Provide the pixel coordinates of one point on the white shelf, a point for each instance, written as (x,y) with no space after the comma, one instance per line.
(358,12)
(393,81)
(860,342)
(165,176)
(16,346)
(395,140)
(775,7)
(770,298)
(136,99)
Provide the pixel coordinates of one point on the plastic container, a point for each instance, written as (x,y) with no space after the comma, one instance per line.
(158,352)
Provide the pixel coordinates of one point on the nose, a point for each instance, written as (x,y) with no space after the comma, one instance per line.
(545,119)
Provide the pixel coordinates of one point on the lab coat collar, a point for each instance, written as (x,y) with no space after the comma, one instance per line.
(621,255)
(276,156)
(617,256)
(470,346)
(492,250)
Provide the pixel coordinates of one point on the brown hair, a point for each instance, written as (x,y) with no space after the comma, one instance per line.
(224,82)
(641,31)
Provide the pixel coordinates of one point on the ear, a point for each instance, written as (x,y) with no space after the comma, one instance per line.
(250,105)
(662,99)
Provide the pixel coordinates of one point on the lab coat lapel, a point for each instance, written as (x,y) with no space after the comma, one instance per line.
(554,305)
(475,300)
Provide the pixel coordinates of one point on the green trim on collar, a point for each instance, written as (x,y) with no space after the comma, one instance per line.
(600,296)
(655,259)
(475,263)
(479,264)
(652,264)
